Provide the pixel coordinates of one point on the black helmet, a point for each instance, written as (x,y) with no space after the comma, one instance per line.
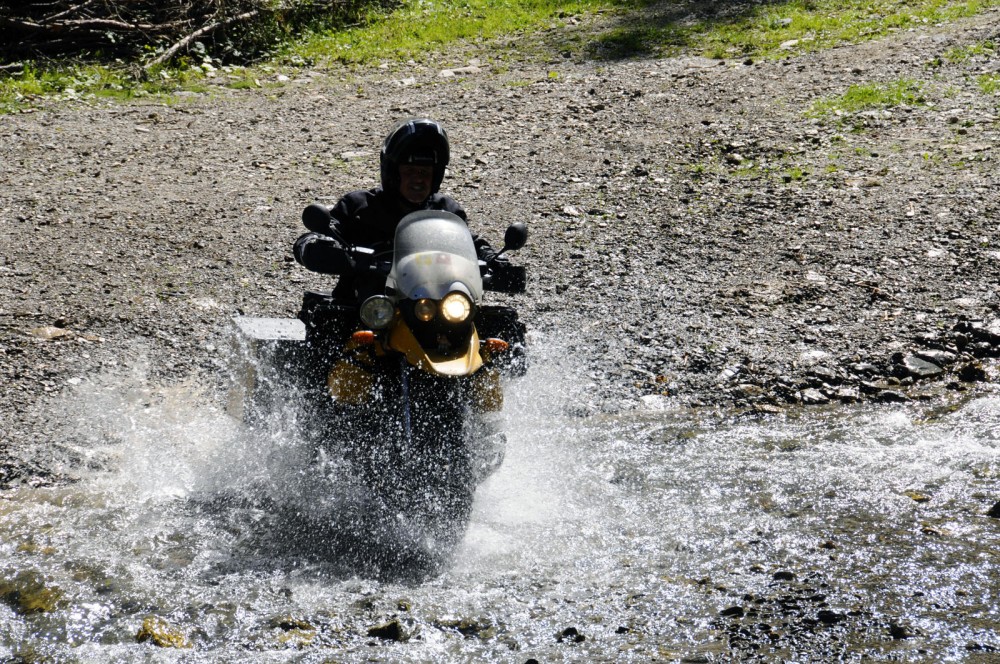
(420,141)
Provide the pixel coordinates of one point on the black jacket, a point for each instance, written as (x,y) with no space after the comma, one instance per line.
(369,219)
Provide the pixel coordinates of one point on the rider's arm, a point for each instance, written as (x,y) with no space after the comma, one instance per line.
(320,252)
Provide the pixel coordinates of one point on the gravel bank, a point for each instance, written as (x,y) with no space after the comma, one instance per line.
(696,234)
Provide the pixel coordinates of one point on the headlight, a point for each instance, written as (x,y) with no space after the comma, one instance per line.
(456,307)
(377,312)
(424,309)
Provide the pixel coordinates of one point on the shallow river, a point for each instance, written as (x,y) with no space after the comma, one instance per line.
(656,535)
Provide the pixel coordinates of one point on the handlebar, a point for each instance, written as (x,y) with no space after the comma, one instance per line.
(498,276)
(366,260)
(502,277)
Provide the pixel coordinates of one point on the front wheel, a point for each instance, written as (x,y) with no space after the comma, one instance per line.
(435,482)
(408,448)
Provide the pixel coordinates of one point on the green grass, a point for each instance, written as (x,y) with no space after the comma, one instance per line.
(780,29)
(609,29)
(418,28)
(986,49)
(868,96)
(88,82)
(795,174)
(989,83)
(634,28)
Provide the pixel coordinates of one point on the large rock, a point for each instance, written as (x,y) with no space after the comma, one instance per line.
(813,397)
(972,372)
(29,593)
(160,633)
(916,367)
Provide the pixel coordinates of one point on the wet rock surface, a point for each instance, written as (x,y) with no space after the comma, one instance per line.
(28,593)
(161,633)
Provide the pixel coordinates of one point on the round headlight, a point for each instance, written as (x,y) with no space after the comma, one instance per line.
(424,309)
(377,312)
(456,307)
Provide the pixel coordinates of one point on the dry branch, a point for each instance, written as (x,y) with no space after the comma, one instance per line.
(102,23)
(70,10)
(132,28)
(170,52)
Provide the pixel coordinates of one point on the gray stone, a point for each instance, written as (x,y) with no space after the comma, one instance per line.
(891,396)
(919,368)
(939,357)
(813,397)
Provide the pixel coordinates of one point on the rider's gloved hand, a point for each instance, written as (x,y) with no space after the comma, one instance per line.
(489,256)
(323,254)
(362,261)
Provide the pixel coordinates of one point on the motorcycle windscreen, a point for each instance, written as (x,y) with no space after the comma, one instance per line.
(434,255)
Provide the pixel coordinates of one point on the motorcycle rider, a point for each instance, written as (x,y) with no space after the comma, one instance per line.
(412,163)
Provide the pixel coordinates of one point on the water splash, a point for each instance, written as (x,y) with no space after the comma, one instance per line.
(633,531)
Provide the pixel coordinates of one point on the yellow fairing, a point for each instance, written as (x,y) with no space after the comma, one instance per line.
(349,383)
(465,363)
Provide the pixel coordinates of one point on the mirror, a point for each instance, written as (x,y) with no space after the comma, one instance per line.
(317,218)
(516,236)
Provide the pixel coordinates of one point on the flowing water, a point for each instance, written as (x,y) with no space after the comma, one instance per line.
(654,535)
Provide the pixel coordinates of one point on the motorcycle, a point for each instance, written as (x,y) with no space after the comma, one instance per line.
(405,386)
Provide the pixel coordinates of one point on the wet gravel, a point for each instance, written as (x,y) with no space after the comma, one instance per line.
(696,233)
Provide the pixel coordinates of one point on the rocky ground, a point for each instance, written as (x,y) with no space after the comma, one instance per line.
(696,233)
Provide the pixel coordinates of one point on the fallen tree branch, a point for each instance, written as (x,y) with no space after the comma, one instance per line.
(211,27)
(129,29)
(86,23)
(71,10)
(25,25)
(105,23)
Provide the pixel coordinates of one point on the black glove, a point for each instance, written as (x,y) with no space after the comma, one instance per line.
(323,254)
(488,255)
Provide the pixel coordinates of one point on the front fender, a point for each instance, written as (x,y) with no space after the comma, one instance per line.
(464,363)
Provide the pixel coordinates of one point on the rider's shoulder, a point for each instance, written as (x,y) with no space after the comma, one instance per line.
(355,202)
(361,197)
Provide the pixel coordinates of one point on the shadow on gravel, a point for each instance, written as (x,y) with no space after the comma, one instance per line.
(658,27)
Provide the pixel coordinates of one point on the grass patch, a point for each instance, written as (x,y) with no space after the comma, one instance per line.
(795,174)
(959,54)
(698,170)
(415,29)
(775,29)
(989,83)
(715,28)
(869,96)
(418,28)
(24,90)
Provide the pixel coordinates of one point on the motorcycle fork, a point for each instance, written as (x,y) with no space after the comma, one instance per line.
(404,383)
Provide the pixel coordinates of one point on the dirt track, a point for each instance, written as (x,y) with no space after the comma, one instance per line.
(695,233)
